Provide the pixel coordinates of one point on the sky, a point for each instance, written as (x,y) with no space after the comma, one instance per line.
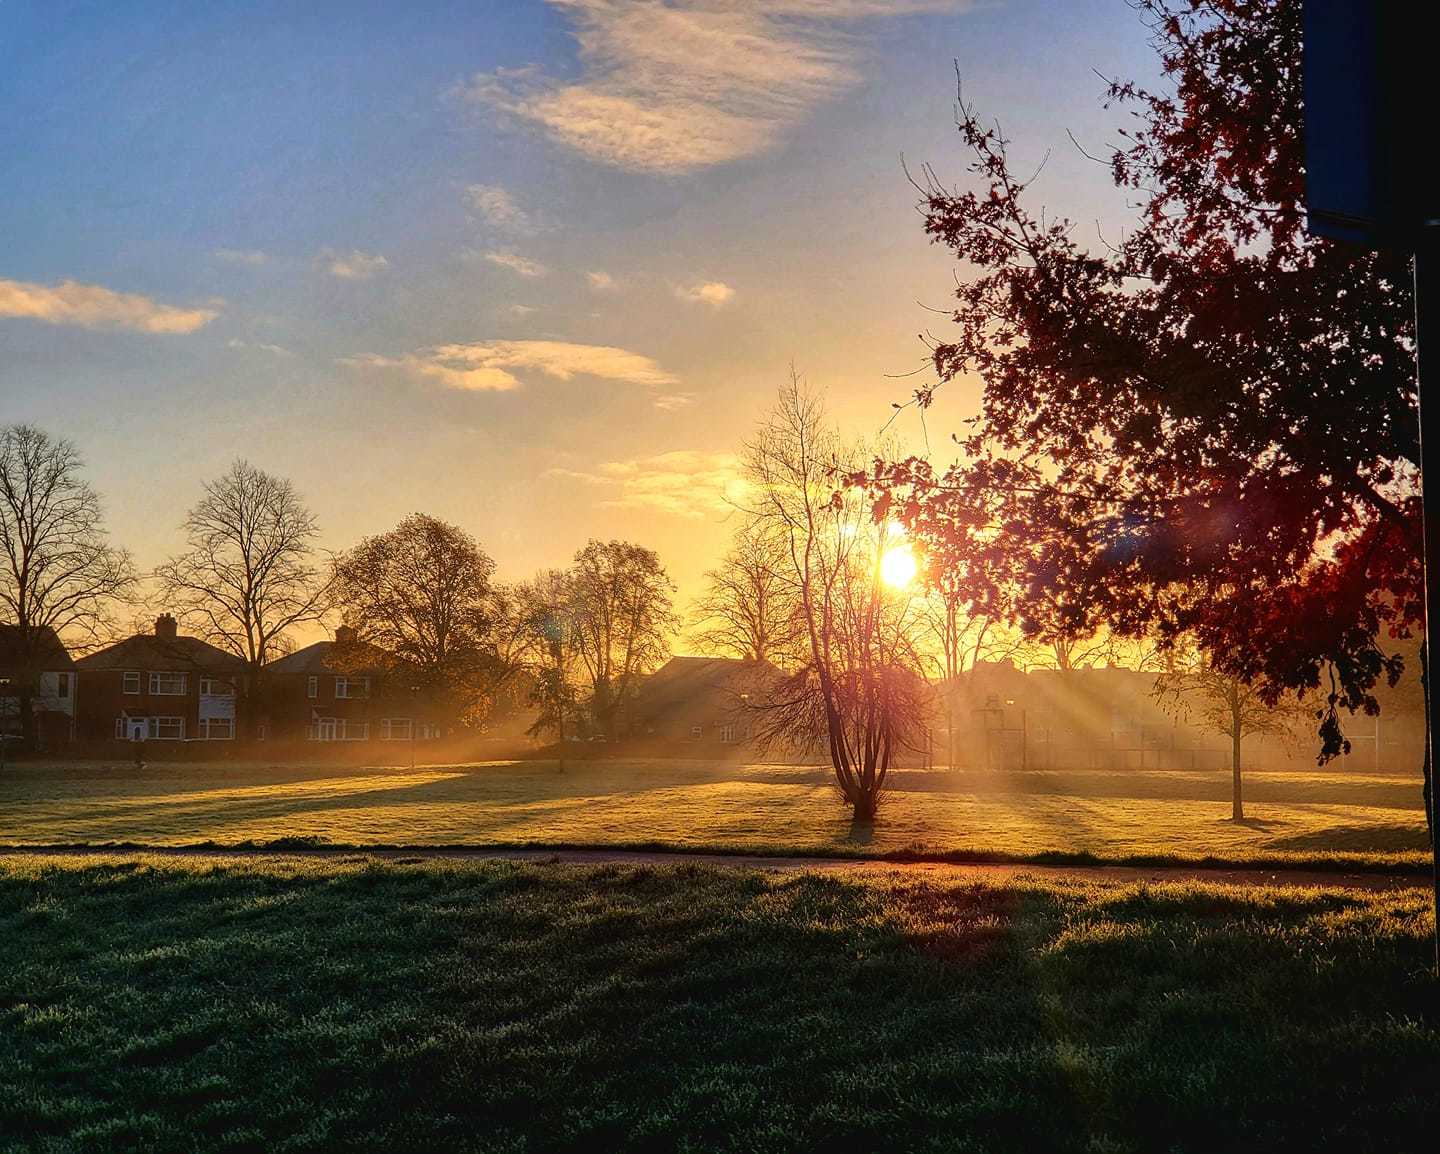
(535,267)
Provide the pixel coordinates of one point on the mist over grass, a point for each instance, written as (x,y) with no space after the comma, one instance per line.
(289,1004)
(1325,817)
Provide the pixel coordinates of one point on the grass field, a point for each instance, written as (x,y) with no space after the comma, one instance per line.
(297,1004)
(1333,815)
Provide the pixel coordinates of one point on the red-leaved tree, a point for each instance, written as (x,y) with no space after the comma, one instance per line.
(1208,428)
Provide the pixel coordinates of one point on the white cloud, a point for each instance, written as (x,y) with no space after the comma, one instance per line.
(93,307)
(714,293)
(685,482)
(353,265)
(672,88)
(521,310)
(671,402)
(494,204)
(517,263)
(499,366)
(602,282)
(246,256)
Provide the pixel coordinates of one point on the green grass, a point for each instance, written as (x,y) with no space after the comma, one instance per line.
(289,1004)
(1331,817)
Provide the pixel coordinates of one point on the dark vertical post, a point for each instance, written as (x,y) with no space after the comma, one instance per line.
(1427,323)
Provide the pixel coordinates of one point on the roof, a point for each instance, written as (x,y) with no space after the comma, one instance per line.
(321,657)
(146,651)
(683,684)
(48,646)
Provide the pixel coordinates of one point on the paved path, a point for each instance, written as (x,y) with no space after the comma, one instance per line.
(944,872)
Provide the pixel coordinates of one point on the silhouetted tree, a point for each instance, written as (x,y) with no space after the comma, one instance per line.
(747,609)
(620,621)
(857,689)
(59,576)
(248,576)
(423,593)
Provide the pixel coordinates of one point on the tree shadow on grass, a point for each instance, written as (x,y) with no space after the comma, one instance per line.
(1357,838)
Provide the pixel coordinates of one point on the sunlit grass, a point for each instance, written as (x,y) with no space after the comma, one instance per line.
(1332,815)
(286,1004)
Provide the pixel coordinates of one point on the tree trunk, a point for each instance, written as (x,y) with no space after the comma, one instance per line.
(29,729)
(1427,768)
(1237,804)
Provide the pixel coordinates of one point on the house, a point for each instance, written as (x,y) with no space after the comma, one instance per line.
(700,700)
(158,686)
(341,690)
(43,671)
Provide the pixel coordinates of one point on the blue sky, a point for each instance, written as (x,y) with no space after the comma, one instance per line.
(533,267)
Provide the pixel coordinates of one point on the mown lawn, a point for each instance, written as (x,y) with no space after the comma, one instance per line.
(289,1004)
(1333,815)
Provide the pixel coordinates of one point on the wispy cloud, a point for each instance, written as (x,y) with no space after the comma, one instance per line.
(499,366)
(497,207)
(275,350)
(516,263)
(353,265)
(714,293)
(671,88)
(685,482)
(92,306)
(672,402)
(246,256)
(601,282)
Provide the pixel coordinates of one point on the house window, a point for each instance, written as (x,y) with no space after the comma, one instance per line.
(167,684)
(62,686)
(131,682)
(697,731)
(352,687)
(727,734)
(337,729)
(312,687)
(396,729)
(217,728)
(166,729)
(216,687)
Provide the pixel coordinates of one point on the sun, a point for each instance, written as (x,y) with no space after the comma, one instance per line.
(897,567)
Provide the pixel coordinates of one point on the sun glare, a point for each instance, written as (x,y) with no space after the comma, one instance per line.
(897,567)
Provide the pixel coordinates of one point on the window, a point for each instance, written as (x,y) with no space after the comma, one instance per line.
(312,687)
(131,682)
(337,729)
(166,729)
(697,731)
(396,729)
(352,687)
(62,686)
(216,687)
(153,728)
(167,684)
(727,734)
(217,728)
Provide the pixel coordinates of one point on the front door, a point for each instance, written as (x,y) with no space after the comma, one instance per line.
(135,728)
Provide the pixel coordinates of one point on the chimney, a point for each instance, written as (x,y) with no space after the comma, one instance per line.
(344,635)
(165,626)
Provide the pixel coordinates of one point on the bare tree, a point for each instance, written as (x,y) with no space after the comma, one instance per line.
(621,622)
(247,576)
(423,593)
(545,643)
(952,634)
(747,610)
(858,690)
(1194,689)
(61,578)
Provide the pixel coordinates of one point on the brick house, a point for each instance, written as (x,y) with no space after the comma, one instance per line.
(340,691)
(158,687)
(701,700)
(43,671)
